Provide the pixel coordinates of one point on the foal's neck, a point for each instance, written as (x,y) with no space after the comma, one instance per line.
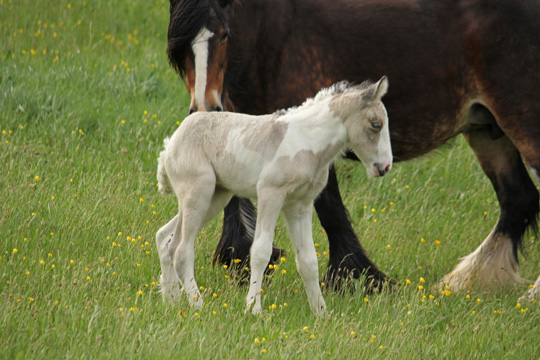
(317,128)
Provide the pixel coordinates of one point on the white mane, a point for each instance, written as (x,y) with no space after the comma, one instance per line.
(325,93)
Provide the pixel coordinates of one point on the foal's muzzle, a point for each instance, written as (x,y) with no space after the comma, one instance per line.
(381,169)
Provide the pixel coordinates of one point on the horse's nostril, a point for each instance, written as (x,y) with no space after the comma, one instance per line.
(216,108)
(192,110)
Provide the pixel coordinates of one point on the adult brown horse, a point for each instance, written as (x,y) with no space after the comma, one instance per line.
(468,67)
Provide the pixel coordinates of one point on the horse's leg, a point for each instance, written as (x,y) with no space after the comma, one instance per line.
(269,203)
(238,229)
(168,279)
(347,257)
(299,221)
(494,262)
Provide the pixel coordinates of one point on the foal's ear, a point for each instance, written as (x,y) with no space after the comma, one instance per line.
(381,87)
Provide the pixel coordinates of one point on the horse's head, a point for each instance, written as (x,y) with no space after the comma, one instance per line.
(197,48)
(366,121)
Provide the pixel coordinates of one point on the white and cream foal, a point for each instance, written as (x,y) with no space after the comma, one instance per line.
(281,159)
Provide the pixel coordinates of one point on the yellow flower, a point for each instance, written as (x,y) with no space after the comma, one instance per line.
(353,333)
(257,341)
(140,292)
(312,336)
(422,280)
(408,282)
(366,300)
(306,329)
(437,242)
(283,272)
(283,259)
(420,287)
(15,251)
(236,261)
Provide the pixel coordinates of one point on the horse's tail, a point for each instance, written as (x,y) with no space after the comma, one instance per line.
(164,184)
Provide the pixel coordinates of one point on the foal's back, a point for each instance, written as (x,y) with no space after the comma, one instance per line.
(238,147)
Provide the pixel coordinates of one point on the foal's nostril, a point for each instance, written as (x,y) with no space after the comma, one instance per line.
(192,110)
(381,169)
(216,108)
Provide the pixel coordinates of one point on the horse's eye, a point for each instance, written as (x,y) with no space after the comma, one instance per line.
(376,125)
(224,36)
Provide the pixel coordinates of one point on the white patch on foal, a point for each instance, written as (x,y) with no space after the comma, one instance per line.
(200,50)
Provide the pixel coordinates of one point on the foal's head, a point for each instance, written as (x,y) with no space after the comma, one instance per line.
(197,48)
(366,120)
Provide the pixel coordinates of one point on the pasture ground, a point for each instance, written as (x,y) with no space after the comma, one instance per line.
(86,99)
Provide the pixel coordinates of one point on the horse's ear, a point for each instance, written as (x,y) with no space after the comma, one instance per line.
(225,3)
(382,87)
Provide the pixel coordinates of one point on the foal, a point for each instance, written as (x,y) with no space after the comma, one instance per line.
(281,159)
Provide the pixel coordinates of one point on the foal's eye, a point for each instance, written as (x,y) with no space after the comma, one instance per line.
(376,125)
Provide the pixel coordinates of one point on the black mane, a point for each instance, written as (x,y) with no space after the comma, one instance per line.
(187,19)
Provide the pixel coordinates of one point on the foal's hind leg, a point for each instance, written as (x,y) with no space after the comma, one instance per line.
(495,261)
(197,209)
(168,279)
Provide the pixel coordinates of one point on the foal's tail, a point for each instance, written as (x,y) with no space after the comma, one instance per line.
(164,184)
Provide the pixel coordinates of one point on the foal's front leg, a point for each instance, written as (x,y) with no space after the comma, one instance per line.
(269,203)
(299,221)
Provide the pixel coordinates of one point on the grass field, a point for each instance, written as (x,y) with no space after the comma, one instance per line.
(86,99)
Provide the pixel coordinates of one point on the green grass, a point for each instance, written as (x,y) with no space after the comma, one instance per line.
(87,97)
